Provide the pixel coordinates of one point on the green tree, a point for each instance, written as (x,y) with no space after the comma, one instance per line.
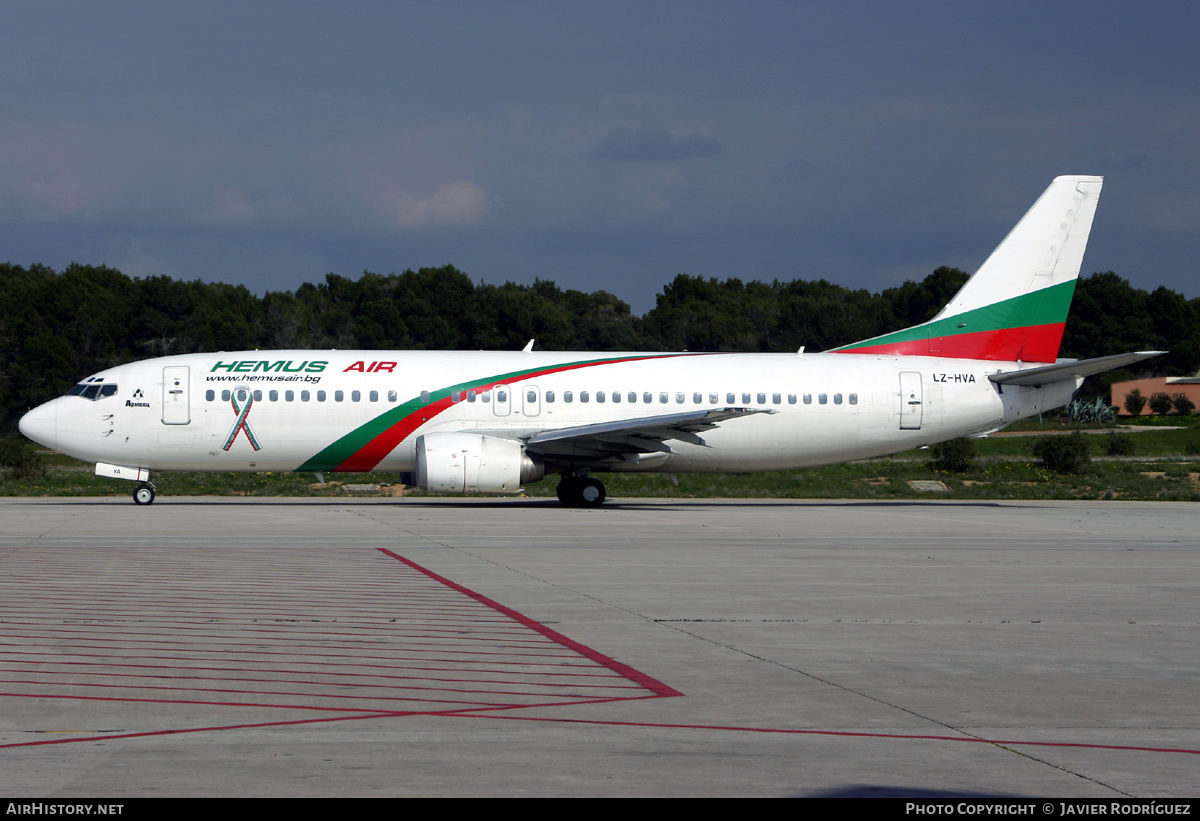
(1183,405)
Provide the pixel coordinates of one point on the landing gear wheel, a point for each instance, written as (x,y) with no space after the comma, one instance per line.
(576,491)
(144,494)
(567,490)
(590,492)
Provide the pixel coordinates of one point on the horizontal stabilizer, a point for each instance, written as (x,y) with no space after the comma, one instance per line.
(1077,369)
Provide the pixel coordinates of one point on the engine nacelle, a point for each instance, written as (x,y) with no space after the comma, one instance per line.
(474,463)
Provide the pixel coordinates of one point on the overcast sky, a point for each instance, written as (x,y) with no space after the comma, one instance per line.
(601,145)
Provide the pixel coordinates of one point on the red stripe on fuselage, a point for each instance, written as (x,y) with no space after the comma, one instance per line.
(371,454)
(1035,343)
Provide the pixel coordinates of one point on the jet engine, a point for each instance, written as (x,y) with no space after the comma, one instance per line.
(473,463)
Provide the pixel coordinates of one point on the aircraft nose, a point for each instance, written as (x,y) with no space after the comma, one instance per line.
(41,424)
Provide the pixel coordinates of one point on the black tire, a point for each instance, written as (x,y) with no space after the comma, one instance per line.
(143,495)
(590,493)
(568,491)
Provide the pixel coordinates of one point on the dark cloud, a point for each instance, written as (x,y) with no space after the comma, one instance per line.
(653,143)
(863,143)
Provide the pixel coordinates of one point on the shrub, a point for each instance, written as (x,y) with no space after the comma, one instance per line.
(21,457)
(1134,402)
(1063,454)
(1160,403)
(1118,444)
(1183,405)
(955,456)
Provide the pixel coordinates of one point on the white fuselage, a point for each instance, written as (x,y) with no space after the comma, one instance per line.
(363,410)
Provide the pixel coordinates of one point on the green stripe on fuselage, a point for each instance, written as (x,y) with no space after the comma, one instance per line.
(341,450)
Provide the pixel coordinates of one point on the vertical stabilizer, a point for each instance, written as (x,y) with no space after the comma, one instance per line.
(1015,306)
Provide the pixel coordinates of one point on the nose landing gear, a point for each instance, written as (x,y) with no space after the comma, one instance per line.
(143,494)
(581,491)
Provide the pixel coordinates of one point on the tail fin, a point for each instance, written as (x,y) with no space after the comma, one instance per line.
(1015,306)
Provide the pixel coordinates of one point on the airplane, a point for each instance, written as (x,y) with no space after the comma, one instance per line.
(490,421)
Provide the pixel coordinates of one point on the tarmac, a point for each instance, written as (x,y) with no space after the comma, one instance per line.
(513,647)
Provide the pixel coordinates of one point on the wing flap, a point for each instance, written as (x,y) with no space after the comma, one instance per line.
(644,435)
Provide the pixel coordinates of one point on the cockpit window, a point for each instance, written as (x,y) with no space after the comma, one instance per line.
(93,388)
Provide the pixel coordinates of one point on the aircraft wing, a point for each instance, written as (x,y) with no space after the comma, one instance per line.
(1078,369)
(627,436)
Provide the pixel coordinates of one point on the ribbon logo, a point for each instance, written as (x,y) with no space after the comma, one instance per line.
(242,412)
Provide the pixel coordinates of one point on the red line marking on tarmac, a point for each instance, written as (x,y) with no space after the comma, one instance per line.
(335,675)
(653,685)
(486,644)
(553,665)
(841,734)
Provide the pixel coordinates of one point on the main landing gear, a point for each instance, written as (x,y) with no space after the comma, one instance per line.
(143,494)
(580,491)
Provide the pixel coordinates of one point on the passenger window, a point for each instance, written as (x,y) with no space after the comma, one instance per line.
(425,396)
(303,396)
(712,399)
(289,396)
(730,398)
(791,398)
(837,399)
(822,399)
(258,396)
(338,396)
(662,398)
(583,396)
(374,396)
(762,399)
(225,396)
(632,397)
(210,395)
(486,396)
(854,399)
(355,396)
(456,396)
(471,395)
(616,397)
(697,398)
(679,398)
(647,397)
(391,396)
(550,396)
(776,399)
(568,397)
(274,396)
(745,399)
(320,396)
(501,395)
(599,396)
(808,398)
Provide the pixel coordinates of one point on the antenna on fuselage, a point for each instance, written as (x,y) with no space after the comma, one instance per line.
(528,347)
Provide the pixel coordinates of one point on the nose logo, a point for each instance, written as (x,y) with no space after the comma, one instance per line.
(137,394)
(241,424)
